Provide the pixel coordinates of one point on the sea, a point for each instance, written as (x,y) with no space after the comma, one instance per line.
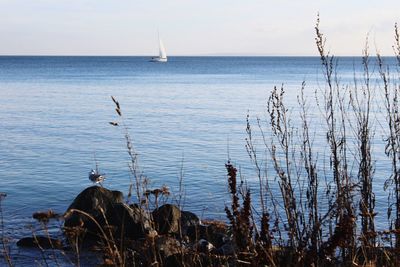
(186,118)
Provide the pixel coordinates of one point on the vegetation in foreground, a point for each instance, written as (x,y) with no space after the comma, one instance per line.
(323,215)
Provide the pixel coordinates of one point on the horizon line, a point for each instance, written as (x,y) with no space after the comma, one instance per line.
(188,55)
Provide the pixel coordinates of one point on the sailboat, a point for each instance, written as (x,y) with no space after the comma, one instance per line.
(162,55)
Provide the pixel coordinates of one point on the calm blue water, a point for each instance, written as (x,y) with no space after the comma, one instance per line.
(55,113)
(190,112)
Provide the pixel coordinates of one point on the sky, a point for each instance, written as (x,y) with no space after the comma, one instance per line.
(201,27)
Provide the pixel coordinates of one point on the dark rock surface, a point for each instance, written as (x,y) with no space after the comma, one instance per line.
(167,246)
(132,222)
(216,235)
(95,201)
(188,219)
(169,219)
(104,208)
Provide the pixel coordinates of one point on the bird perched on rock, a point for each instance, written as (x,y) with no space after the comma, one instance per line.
(96,177)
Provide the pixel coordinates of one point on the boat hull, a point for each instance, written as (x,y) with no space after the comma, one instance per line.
(158,59)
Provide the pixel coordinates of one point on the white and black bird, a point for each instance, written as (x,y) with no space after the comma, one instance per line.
(96,177)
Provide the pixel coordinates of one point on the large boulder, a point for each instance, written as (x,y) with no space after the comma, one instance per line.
(91,206)
(132,222)
(169,219)
(188,220)
(97,207)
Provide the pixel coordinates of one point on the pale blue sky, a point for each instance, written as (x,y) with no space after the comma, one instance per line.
(203,27)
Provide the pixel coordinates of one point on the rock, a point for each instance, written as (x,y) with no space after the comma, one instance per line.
(169,219)
(214,234)
(204,246)
(188,219)
(150,250)
(167,246)
(129,221)
(96,202)
(43,242)
(108,210)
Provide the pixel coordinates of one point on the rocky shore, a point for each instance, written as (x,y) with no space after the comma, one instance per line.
(130,235)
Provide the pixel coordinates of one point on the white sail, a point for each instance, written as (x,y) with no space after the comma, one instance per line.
(163,53)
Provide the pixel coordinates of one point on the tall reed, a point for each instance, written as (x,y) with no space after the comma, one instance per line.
(361,102)
(392,149)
